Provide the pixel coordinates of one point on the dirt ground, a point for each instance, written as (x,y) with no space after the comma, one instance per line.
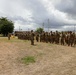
(51,59)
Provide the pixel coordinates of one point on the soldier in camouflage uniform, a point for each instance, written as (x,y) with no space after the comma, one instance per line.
(62,38)
(9,35)
(37,37)
(71,39)
(75,40)
(43,37)
(66,39)
(49,38)
(40,37)
(57,37)
(28,36)
(46,37)
(32,37)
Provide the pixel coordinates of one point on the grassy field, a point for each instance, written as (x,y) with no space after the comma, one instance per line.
(19,57)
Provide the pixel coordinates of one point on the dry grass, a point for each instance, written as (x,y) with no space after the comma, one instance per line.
(50,59)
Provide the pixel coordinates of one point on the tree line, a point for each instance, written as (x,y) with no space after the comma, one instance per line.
(6,26)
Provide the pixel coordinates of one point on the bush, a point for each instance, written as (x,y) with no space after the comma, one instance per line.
(39,30)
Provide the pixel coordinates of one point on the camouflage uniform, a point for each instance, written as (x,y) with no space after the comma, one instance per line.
(57,37)
(40,37)
(32,37)
(52,37)
(71,39)
(9,35)
(62,38)
(37,37)
(46,37)
(75,40)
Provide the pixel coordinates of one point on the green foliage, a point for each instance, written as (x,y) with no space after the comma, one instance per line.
(39,30)
(27,60)
(6,26)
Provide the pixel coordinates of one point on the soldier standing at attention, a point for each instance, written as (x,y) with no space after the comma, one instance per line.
(72,37)
(37,37)
(62,38)
(32,37)
(57,37)
(46,37)
(75,40)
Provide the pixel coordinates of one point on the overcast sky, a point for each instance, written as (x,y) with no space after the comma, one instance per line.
(31,14)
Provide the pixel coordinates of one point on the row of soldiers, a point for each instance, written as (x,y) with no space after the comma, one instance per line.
(23,35)
(26,35)
(62,38)
(68,38)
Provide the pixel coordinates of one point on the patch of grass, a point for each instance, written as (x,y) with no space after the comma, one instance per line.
(27,60)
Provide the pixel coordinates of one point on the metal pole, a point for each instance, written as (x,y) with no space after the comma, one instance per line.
(48,25)
(28,29)
(43,26)
(74,28)
(19,28)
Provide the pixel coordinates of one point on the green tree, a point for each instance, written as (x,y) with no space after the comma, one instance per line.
(6,26)
(39,30)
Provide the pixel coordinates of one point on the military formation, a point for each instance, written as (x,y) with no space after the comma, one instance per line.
(23,35)
(63,38)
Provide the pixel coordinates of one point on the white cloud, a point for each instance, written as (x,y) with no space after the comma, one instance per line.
(30,14)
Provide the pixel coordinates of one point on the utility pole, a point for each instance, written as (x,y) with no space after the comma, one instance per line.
(43,25)
(48,25)
(74,27)
(19,28)
(28,29)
